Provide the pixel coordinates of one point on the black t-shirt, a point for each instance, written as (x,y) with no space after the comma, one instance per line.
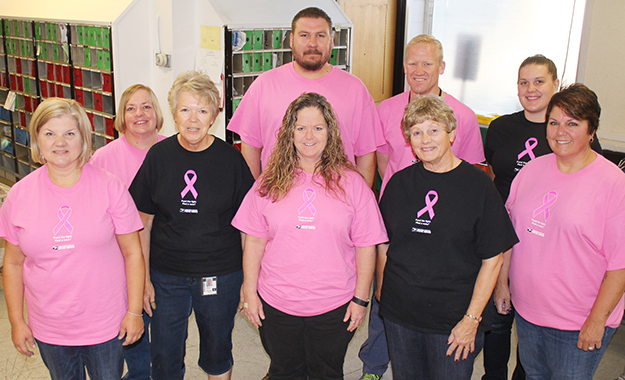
(511,142)
(193,197)
(440,227)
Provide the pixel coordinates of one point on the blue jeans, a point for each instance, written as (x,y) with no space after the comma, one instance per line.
(374,352)
(552,354)
(103,361)
(137,355)
(175,298)
(417,355)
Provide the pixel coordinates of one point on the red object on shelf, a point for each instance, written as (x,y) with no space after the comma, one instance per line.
(66,75)
(50,68)
(107,85)
(80,97)
(27,104)
(23,119)
(58,70)
(110,128)
(13,81)
(20,84)
(18,65)
(33,71)
(97,102)
(44,88)
(90,115)
(52,90)
(77,77)
(59,91)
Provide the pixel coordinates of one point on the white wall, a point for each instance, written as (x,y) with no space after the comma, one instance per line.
(602,68)
(64,10)
(134,44)
(161,77)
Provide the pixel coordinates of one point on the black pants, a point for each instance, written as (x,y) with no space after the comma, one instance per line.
(497,348)
(305,347)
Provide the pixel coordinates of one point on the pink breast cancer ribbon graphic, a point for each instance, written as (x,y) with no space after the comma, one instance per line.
(530,144)
(64,213)
(429,204)
(189,181)
(309,196)
(548,200)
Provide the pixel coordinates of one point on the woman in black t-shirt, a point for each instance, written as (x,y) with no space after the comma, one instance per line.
(512,141)
(187,190)
(447,228)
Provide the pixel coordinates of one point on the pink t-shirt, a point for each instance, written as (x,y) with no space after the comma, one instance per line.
(258,117)
(571,232)
(467,146)
(309,264)
(120,158)
(74,271)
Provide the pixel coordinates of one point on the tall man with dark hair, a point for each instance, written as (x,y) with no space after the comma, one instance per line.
(259,115)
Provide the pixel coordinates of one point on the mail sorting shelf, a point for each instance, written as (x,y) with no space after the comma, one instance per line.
(45,59)
(7,141)
(21,74)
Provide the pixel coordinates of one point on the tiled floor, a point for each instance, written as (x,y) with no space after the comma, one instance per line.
(250,360)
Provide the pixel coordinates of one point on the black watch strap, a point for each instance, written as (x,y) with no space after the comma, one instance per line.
(360,302)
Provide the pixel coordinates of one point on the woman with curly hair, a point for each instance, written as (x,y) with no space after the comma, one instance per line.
(312,225)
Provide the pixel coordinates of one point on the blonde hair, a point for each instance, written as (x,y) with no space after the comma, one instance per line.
(196,83)
(426,39)
(425,108)
(58,107)
(283,168)
(120,118)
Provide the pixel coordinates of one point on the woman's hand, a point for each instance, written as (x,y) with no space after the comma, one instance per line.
(591,335)
(462,338)
(23,338)
(148,298)
(501,297)
(241,300)
(253,308)
(355,314)
(132,328)
(13,283)
(610,292)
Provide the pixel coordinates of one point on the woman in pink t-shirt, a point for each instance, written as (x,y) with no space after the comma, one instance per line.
(72,253)
(567,273)
(312,225)
(139,120)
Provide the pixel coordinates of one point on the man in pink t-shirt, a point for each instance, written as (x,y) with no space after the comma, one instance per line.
(259,115)
(423,65)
